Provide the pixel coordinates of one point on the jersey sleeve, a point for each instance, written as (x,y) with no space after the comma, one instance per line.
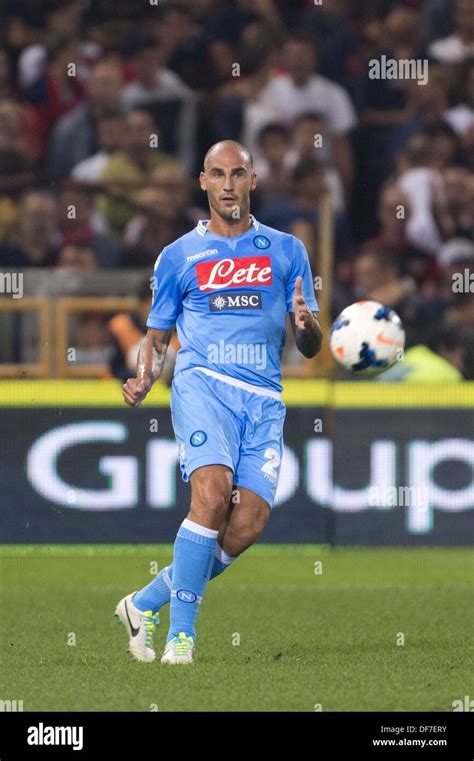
(167,297)
(300,266)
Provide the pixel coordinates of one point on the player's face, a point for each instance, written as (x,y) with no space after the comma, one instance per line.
(228,180)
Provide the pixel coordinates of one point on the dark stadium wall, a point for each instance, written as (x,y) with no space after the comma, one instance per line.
(97,475)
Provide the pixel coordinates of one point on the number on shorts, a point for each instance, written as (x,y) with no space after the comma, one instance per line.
(270,467)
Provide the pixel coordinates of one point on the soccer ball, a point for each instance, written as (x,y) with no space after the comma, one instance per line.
(367,338)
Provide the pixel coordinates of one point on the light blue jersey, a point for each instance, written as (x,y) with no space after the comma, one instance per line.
(229,297)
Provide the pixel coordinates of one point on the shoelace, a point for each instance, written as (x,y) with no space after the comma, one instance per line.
(150,626)
(183,645)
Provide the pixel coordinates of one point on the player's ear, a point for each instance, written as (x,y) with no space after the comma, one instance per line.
(254,181)
(202,180)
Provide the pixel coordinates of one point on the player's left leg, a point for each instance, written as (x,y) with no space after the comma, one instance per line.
(245,519)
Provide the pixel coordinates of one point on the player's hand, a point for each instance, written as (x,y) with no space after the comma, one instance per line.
(134,391)
(303,314)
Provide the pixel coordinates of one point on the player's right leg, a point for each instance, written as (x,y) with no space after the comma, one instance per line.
(208,431)
(193,557)
(243,523)
(157,593)
(139,611)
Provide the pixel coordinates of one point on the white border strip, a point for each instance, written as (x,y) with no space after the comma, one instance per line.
(198,529)
(239,384)
(201,227)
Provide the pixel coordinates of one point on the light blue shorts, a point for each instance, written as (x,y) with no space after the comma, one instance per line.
(216,423)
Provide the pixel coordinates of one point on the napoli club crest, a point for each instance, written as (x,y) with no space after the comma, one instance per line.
(261,241)
(198,438)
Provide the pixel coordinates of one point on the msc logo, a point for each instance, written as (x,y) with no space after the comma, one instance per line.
(185,595)
(261,241)
(198,438)
(236,300)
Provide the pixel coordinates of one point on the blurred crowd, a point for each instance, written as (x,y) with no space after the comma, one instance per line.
(107,109)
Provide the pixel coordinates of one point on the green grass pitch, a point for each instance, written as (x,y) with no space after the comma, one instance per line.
(306,639)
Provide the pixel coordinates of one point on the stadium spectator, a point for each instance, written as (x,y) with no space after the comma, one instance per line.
(446,146)
(459,199)
(126,170)
(378,277)
(436,19)
(77,257)
(183,45)
(91,339)
(301,89)
(384,101)
(36,241)
(441,360)
(467,141)
(167,214)
(309,186)
(74,137)
(427,107)
(311,138)
(393,214)
(240,110)
(385,106)
(33,26)
(55,91)
(225,26)
(16,168)
(460,115)
(456,262)
(273,171)
(164,94)
(459,46)
(417,179)
(7,79)
(127,330)
(110,129)
(80,224)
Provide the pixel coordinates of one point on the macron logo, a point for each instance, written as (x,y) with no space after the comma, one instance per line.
(207,252)
(42,735)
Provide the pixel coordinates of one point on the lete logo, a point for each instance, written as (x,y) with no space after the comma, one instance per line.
(227,273)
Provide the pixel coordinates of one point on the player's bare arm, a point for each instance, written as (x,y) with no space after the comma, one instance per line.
(306,328)
(151,358)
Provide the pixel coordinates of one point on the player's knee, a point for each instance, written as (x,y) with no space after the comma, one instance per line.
(237,541)
(209,509)
(244,531)
(210,501)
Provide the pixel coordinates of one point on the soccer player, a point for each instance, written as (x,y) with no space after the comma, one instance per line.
(227,286)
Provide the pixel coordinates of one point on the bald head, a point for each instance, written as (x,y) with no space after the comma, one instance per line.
(228,178)
(226,149)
